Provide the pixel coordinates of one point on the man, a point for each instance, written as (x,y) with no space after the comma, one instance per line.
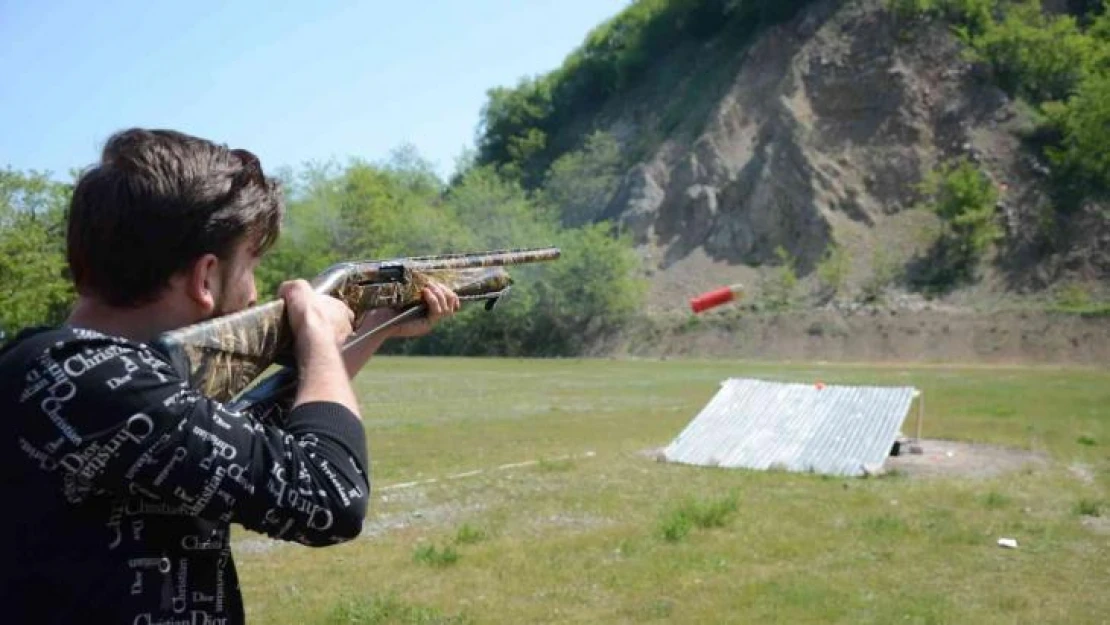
(121,481)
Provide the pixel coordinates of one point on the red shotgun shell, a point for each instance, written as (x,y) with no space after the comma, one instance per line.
(716,297)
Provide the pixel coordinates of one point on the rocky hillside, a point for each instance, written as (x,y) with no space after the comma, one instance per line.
(889,179)
(818,132)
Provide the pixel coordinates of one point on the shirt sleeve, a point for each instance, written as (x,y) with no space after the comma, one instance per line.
(111,416)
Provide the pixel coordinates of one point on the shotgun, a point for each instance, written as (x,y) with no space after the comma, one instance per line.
(226,355)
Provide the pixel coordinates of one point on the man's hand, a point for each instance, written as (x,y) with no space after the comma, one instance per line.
(441,301)
(314,316)
(320,325)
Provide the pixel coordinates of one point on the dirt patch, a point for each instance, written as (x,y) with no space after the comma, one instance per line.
(567,522)
(873,335)
(939,458)
(1082,473)
(1098,525)
(954,459)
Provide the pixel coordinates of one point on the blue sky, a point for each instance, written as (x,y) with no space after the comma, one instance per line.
(293,82)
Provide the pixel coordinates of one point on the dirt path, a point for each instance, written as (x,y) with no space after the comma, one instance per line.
(941,458)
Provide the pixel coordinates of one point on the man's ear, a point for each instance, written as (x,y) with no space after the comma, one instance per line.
(202,282)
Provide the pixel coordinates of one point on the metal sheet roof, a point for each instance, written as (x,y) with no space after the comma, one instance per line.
(759,424)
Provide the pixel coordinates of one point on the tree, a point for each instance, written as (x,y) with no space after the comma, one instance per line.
(1081,159)
(33,282)
(581,183)
(1037,56)
(497,212)
(832,272)
(964,198)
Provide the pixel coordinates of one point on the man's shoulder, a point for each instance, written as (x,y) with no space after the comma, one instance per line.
(75,352)
(28,346)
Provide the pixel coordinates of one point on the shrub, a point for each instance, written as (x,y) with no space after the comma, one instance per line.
(778,289)
(1080,160)
(678,521)
(430,555)
(1034,55)
(832,271)
(964,198)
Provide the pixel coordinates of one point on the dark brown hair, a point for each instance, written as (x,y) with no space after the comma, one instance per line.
(156,202)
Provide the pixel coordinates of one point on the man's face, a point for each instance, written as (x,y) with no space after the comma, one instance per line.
(238,287)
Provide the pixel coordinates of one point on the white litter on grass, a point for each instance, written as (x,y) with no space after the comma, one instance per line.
(455,476)
(1007,542)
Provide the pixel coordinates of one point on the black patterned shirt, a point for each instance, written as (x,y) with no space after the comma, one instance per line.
(121,483)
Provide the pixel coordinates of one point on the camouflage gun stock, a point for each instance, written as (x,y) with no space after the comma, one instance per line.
(226,354)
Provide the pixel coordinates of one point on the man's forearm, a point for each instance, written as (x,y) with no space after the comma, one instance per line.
(356,356)
(324,376)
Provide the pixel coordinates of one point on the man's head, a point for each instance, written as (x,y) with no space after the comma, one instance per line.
(165,214)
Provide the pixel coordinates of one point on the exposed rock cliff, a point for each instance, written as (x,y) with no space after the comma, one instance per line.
(820,131)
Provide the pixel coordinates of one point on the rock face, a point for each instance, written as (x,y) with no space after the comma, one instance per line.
(822,135)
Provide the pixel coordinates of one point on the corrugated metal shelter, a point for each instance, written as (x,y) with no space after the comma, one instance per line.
(828,429)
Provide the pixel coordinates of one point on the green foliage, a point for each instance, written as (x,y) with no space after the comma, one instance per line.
(467,534)
(433,556)
(496,212)
(885,271)
(590,292)
(1073,296)
(964,198)
(581,183)
(1035,55)
(360,211)
(33,273)
(311,225)
(832,271)
(384,213)
(779,287)
(1088,507)
(995,500)
(675,526)
(677,522)
(1076,299)
(511,131)
(1080,159)
(554,309)
(518,125)
(400,208)
(884,525)
(1058,63)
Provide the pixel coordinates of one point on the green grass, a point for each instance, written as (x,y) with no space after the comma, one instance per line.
(677,522)
(548,533)
(433,556)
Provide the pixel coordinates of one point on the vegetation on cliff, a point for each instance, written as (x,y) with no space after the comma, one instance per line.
(1059,63)
(525,128)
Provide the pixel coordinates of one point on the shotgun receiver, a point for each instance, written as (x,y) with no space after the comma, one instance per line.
(226,354)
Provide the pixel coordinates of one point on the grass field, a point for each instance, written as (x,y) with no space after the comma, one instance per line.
(594,531)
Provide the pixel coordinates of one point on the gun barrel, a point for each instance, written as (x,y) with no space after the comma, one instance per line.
(496,258)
